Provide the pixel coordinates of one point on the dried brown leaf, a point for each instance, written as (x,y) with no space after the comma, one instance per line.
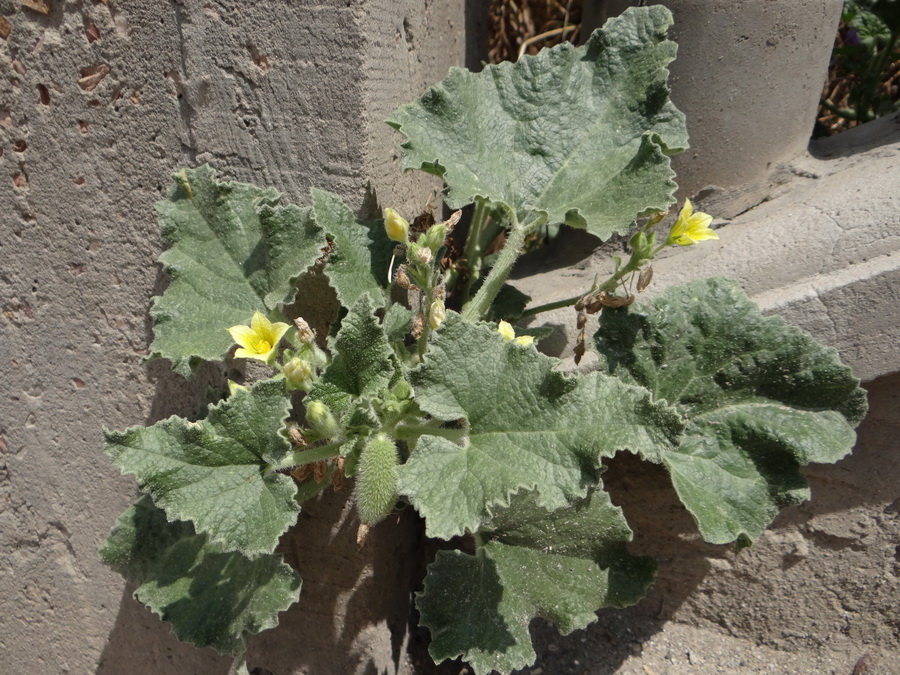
(92,76)
(42,6)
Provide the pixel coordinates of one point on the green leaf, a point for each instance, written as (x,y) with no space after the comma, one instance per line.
(397,322)
(212,597)
(214,472)
(528,427)
(234,251)
(364,364)
(578,134)
(361,252)
(562,565)
(760,397)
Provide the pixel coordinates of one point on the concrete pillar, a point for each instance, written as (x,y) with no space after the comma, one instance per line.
(99,103)
(749,75)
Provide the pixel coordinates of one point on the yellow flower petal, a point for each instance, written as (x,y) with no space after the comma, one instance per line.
(260,339)
(691,227)
(506,330)
(525,340)
(243,335)
(260,324)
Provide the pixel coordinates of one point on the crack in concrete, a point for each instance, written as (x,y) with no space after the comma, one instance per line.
(185,109)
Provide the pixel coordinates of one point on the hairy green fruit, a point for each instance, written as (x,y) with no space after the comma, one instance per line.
(376,484)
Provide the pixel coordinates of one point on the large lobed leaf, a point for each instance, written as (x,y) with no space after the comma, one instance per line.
(562,565)
(361,252)
(212,597)
(578,134)
(760,397)
(214,472)
(234,251)
(364,364)
(528,427)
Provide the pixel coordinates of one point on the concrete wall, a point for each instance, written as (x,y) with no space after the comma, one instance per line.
(748,76)
(99,103)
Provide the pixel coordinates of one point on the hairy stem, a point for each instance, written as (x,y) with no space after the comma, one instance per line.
(474,251)
(478,307)
(308,456)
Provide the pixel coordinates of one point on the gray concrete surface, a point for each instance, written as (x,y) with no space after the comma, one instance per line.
(292,94)
(822,250)
(748,77)
(99,103)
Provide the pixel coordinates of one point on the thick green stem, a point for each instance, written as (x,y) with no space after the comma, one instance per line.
(308,456)
(568,302)
(478,307)
(474,251)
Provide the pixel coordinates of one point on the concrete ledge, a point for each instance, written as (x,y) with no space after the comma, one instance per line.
(823,252)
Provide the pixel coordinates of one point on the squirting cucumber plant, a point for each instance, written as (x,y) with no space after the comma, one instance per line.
(455,411)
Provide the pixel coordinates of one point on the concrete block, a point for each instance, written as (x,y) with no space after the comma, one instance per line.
(101,102)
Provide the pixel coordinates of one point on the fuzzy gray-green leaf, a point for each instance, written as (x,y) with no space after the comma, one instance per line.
(212,597)
(213,472)
(761,398)
(360,253)
(562,565)
(578,134)
(528,427)
(234,251)
(364,364)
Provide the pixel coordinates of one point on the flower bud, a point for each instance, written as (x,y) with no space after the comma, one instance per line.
(435,236)
(299,373)
(506,330)
(396,226)
(321,420)
(402,390)
(638,244)
(437,314)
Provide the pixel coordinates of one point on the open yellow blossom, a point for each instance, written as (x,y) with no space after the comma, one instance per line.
(260,339)
(691,227)
(507,333)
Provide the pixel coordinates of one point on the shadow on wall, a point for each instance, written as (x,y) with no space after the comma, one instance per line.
(819,575)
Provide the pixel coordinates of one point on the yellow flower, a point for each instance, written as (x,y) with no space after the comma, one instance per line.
(507,333)
(396,226)
(259,340)
(691,227)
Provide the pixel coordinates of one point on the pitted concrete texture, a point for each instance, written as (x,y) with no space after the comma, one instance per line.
(99,103)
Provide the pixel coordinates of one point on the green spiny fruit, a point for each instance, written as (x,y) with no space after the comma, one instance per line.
(376,485)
